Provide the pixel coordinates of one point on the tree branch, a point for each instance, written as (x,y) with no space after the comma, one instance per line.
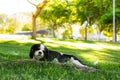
(32,3)
(41,5)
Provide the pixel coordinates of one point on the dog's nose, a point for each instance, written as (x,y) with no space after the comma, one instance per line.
(40,53)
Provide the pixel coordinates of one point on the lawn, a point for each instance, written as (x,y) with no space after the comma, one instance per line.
(104,56)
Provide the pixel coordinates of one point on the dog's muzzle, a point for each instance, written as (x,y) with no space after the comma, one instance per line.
(38,54)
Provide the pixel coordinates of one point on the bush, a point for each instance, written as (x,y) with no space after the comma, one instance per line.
(9,29)
(66,34)
(26,27)
(1,30)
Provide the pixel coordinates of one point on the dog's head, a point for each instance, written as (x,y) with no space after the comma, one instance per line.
(38,51)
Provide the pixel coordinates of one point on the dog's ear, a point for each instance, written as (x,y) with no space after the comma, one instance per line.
(31,54)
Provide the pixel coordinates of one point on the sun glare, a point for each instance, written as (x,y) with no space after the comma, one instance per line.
(15,6)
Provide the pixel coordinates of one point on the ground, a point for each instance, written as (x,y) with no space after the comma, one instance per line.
(102,55)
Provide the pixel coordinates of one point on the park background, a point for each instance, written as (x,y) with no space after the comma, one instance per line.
(75,19)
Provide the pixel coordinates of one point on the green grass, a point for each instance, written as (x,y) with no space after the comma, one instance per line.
(106,54)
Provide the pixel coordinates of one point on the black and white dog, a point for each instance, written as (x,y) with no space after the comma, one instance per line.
(42,53)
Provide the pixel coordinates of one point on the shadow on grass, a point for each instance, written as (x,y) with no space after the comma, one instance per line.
(41,41)
(13,50)
(71,40)
(114,55)
(10,50)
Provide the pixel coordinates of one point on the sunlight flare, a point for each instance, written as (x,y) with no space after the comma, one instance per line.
(15,6)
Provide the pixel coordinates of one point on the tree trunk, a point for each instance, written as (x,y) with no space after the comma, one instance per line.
(53,29)
(99,32)
(71,32)
(87,24)
(34,26)
(99,35)
(86,33)
(39,7)
(86,30)
(54,33)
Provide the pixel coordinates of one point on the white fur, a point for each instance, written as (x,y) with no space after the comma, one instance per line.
(96,62)
(61,53)
(56,61)
(37,55)
(77,63)
(42,47)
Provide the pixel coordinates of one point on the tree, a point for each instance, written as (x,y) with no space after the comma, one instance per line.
(10,26)
(85,12)
(55,12)
(103,7)
(39,7)
(107,21)
(3,19)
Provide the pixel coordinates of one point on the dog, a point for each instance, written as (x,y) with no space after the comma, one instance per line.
(42,53)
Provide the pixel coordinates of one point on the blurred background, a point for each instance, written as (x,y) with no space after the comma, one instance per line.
(66,19)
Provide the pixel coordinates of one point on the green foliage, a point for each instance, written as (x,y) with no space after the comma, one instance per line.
(59,12)
(66,34)
(9,29)
(93,11)
(26,27)
(90,29)
(106,18)
(107,33)
(82,32)
(1,29)
(56,11)
(6,24)
(10,26)
(3,18)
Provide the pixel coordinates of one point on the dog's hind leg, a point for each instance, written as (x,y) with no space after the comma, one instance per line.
(81,66)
